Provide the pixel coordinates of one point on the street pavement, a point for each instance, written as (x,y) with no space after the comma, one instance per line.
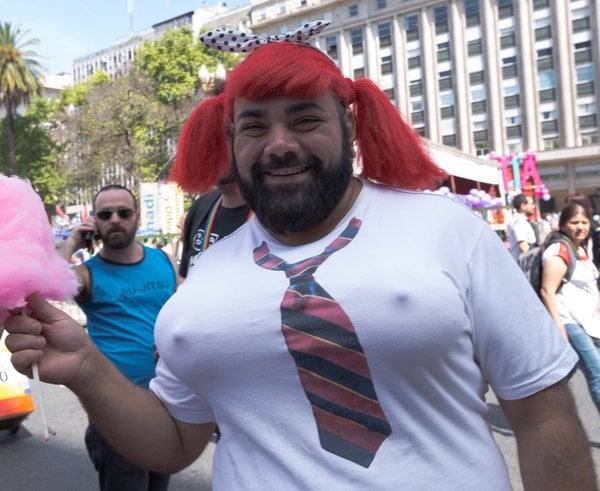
(27,462)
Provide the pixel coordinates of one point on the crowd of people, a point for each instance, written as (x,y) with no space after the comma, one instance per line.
(309,327)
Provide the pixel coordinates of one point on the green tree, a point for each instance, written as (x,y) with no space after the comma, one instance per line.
(20,79)
(172,63)
(38,154)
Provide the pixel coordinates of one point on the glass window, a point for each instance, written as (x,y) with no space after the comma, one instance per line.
(380,4)
(546,63)
(391,93)
(476,78)
(588,121)
(508,40)
(353,10)
(447,112)
(510,71)
(584,89)
(543,33)
(386,65)
(445,83)
(584,73)
(480,136)
(384,30)
(540,4)
(548,95)
(331,47)
(472,12)
(581,24)
(449,140)
(411,25)
(546,79)
(478,107)
(550,126)
(440,15)
(583,56)
(416,88)
(357,41)
(513,131)
(474,47)
(414,62)
(359,72)
(417,117)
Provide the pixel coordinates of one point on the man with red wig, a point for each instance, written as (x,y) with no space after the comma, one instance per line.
(345,336)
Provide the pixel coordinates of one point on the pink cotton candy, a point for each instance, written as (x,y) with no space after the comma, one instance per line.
(28,260)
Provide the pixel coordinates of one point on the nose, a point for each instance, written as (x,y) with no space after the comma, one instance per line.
(280,141)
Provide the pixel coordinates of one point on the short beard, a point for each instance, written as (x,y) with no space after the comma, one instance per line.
(112,241)
(298,207)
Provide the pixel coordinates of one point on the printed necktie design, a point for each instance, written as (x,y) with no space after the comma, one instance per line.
(329,358)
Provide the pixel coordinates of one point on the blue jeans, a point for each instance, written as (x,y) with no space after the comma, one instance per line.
(589,359)
(117,474)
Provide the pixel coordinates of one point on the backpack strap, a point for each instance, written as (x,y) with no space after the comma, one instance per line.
(572,259)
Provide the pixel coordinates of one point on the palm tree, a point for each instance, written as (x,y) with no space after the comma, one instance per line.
(20,79)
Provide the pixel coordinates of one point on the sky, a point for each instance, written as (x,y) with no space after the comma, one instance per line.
(69,29)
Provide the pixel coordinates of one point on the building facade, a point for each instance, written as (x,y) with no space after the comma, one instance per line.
(478,75)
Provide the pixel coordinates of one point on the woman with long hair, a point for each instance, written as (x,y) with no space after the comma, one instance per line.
(575,303)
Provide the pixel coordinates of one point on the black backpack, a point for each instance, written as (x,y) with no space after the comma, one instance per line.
(531,261)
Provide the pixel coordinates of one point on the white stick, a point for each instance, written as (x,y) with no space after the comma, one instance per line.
(38,388)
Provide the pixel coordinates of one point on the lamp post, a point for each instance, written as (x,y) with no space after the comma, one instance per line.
(210,81)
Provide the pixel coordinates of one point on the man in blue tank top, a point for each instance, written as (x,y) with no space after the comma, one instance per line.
(122,289)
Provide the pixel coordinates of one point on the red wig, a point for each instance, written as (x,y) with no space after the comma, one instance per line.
(390,151)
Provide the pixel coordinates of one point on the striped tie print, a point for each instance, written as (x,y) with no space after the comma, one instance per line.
(329,358)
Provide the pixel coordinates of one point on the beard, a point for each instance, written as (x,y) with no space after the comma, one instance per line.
(297,207)
(113,240)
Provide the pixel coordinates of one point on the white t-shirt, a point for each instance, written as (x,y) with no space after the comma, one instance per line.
(441,311)
(578,300)
(519,230)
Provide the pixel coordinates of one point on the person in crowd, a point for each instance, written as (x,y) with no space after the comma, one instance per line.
(575,304)
(593,243)
(122,289)
(211,217)
(313,336)
(521,234)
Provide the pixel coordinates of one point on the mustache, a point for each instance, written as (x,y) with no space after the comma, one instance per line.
(116,229)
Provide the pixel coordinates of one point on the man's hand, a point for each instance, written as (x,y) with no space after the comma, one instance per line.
(48,336)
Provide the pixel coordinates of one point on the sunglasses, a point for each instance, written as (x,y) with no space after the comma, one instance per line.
(107,214)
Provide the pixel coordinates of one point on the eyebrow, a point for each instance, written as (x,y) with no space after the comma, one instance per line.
(289,111)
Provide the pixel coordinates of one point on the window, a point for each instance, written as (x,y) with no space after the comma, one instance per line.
(417,117)
(476,78)
(584,73)
(357,41)
(540,4)
(505,9)
(508,40)
(513,131)
(582,24)
(584,89)
(543,33)
(474,47)
(480,136)
(281,10)
(331,47)
(443,53)
(472,12)
(414,62)
(583,56)
(440,15)
(353,10)
(550,126)
(589,139)
(391,93)
(445,83)
(384,31)
(411,25)
(478,107)
(546,63)
(447,112)
(380,4)
(416,88)
(588,121)
(509,71)
(548,95)
(386,65)
(449,140)
(359,72)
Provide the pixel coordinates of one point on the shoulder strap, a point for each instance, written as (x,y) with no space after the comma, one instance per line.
(572,259)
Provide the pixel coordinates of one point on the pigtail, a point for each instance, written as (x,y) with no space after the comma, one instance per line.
(202,151)
(390,151)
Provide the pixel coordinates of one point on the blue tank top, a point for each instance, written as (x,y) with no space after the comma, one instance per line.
(124,303)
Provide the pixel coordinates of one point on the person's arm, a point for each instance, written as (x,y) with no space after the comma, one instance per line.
(553,272)
(131,418)
(523,246)
(554,451)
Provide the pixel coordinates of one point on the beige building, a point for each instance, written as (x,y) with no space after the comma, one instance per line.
(478,75)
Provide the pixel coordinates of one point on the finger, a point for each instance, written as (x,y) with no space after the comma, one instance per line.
(23,361)
(43,310)
(18,323)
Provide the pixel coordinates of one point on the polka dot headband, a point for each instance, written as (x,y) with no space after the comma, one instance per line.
(240,42)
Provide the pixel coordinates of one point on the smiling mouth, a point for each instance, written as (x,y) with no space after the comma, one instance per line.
(287,171)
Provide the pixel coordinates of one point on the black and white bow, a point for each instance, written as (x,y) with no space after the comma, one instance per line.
(240,42)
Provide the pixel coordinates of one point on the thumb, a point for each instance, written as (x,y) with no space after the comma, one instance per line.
(42,310)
